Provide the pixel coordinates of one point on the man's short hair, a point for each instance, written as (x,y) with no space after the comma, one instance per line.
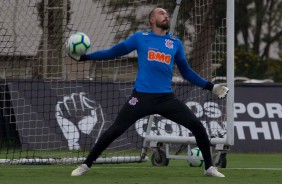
(152,12)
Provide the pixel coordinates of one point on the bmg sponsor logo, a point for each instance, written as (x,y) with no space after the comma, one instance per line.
(159,56)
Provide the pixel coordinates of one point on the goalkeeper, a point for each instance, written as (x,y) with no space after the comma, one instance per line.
(157,51)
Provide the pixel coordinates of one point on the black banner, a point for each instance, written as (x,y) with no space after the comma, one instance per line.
(258,118)
(68,115)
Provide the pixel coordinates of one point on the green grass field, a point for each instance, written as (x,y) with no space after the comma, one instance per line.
(241,169)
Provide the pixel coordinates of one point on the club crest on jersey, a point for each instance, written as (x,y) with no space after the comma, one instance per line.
(169,43)
(133,101)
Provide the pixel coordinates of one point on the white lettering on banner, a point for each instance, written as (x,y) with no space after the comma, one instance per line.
(254,130)
(199,111)
(212,110)
(239,125)
(274,108)
(166,127)
(258,110)
(275,130)
(251,110)
(170,128)
(163,127)
(239,108)
(270,130)
(139,127)
(254,109)
(263,129)
(216,129)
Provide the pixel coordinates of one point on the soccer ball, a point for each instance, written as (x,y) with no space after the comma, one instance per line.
(195,158)
(78,44)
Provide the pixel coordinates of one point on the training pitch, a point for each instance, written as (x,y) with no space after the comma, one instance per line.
(241,169)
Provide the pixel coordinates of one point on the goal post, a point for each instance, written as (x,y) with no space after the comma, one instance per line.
(230,14)
(54,109)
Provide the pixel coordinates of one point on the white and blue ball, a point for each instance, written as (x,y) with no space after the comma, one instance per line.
(78,43)
(195,158)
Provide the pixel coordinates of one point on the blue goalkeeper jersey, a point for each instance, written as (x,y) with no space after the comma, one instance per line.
(156,57)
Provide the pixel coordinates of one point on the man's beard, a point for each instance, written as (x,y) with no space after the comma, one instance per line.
(163,25)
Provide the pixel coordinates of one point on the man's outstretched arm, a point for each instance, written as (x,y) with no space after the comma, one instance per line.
(116,51)
(189,74)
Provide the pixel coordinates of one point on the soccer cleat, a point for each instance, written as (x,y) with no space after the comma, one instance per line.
(212,171)
(80,170)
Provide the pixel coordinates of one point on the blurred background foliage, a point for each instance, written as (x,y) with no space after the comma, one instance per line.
(258,36)
(258,39)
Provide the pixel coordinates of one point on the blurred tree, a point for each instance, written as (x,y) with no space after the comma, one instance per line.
(275,69)
(53,23)
(131,17)
(258,27)
(259,24)
(247,64)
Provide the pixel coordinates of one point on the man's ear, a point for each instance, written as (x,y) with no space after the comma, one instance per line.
(152,20)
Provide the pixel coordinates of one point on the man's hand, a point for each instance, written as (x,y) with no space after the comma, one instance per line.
(73,56)
(220,90)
